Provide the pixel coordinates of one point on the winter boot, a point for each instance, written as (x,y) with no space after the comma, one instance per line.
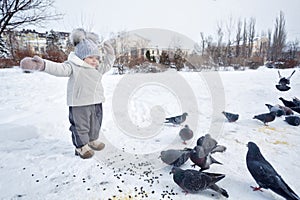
(96,145)
(84,152)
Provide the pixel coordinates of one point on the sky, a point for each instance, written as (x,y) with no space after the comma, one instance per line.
(189,17)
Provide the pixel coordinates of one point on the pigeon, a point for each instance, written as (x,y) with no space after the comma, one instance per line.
(175,157)
(177,120)
(296,101)
(265,175)
(288,103)
(287,110)
(186,134)
(230,116)
(277,109)
(210,145)
(193,181)
(296,109)
(283,80)
(266,117)
(293,120)
(282,88)
(201,159)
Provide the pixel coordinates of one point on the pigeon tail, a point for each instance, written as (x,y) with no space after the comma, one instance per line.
(289,195)
(219,190)
(215,177)
(284,190)
(215,161)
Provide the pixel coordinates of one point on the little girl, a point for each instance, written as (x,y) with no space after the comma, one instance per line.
(84,90)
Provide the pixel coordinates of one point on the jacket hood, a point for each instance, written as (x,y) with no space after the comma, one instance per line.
(77,61)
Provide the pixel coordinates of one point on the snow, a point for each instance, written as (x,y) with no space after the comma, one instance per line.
(37,155)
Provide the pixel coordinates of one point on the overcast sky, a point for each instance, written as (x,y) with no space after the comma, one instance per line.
(188,17)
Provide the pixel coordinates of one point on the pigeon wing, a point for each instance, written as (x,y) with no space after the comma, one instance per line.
(170,156)
(195,181)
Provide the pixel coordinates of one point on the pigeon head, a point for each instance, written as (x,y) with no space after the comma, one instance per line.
(200,140)
(253,151)
(175,170)
(199,150)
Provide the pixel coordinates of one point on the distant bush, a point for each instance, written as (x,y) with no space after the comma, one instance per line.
(6,63)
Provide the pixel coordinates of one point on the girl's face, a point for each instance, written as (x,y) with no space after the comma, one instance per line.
(92,60)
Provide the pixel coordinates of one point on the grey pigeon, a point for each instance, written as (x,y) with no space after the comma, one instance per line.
(266,117)
(279,111)
(293,120)
(288,103)
(265,175)
(175,157)
(186,133)
(177,120)
(209,144)
(287,110)
(202,159)
(192,181)
(231,117)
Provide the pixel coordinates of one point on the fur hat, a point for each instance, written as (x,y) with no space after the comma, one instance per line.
(86,43)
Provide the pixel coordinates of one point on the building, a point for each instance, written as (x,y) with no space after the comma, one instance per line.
(35,41)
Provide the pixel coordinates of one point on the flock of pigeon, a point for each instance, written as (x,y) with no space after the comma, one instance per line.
(194,181)
(287,109)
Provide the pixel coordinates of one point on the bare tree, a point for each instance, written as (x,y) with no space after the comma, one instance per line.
(238,38)
(217,57)
(251,34)
(269,48)
(279,37)
(202,42)
(228,52)
(245,38)
(19,13)
(293,48)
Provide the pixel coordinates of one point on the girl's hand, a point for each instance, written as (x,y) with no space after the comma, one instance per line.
(34,63)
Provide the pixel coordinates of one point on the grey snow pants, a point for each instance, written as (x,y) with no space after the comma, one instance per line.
(85,123)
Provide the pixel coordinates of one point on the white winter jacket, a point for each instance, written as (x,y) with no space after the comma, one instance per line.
(84,85)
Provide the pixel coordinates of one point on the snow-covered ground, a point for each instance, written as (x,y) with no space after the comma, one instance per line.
(37,155)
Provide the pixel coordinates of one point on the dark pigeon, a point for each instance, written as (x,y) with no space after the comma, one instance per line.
(175,157)
(177,120)
(210,145)
(230,116)
(186,134)
(192,181)
(296,109)
(296,101)
(202,159)
(279,111)
(265,175)
(282,88)
(284,82)
(266,117)
(293,120)
(288,103)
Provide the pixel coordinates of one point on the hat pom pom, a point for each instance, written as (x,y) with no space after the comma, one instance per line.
(92,36)
(77,36)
